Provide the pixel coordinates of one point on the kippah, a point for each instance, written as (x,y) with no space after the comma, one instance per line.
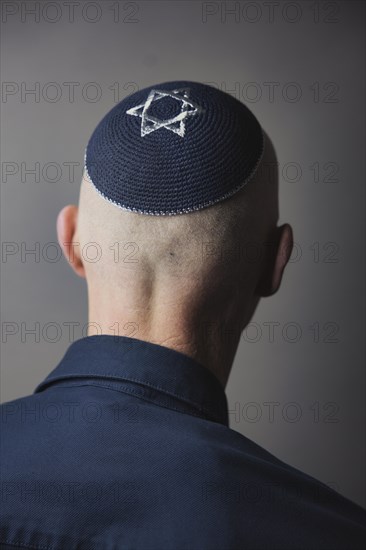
(174,148)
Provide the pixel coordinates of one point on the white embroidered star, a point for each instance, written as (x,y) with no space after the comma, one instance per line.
(175,124)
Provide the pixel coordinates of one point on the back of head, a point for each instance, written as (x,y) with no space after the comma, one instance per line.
(175,170)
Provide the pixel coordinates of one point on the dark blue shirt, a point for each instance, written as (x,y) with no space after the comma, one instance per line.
(127,445)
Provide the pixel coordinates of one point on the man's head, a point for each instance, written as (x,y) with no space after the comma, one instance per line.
(176,275)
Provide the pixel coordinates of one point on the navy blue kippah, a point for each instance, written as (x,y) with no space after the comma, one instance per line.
(174,148)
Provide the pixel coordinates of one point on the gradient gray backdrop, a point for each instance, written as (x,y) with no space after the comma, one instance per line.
(300,392)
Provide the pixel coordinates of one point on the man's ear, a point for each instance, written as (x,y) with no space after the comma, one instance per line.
(279,253)
(66,234)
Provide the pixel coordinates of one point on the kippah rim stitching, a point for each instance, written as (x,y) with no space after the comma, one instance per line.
(184,210)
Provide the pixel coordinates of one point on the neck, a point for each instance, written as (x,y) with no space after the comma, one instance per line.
(170,322)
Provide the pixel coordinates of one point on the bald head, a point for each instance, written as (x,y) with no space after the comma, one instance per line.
(208,245)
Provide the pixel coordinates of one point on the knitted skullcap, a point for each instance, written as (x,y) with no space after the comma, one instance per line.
(174,148)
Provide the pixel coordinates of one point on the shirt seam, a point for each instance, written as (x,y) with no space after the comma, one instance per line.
(137,380)
(143,398)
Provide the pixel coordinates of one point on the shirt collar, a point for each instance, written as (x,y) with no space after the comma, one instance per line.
(168,373)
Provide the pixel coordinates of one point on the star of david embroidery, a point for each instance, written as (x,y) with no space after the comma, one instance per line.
(175,124)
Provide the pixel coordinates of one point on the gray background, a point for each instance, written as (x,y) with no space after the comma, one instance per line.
(316,116)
